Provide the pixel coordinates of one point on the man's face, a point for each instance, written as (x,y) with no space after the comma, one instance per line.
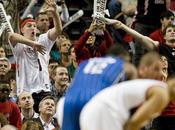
(25,100)
(4,67)
(29,30)
(153,71)
(167,21)
(61,77)
(4,92)
(170,34)
(47,107)
(2,52)
(43,22)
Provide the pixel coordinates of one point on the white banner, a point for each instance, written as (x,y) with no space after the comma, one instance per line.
(5,19)
(99,9)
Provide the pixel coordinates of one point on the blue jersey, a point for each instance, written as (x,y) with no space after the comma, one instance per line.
(91,76)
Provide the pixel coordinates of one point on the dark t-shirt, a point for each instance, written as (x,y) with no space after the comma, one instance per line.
(148,11)
(170,54)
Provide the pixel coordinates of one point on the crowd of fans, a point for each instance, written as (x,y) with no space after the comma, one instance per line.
(39,60)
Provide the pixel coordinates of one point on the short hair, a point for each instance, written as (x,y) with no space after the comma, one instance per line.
(149,58)
(5,59)
(54,70)
(169,26)
(61,66)
(40,13)
(47,97)
(23,93)
(166,14)
(117,50)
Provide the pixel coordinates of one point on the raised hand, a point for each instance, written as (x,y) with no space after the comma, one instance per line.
(50,2)
(93,26)
(114,22)
(101,26)
(50,6)
(39,48)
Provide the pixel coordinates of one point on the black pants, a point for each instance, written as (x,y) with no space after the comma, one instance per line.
(37,98)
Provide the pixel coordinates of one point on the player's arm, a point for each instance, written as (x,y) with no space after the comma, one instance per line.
(157,100)
(65,13)
(54,32)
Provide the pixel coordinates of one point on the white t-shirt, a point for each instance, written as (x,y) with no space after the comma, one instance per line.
(32,72)
(110,108)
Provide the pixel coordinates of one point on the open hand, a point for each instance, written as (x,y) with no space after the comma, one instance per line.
(50,6)
(93,26)
(39,48)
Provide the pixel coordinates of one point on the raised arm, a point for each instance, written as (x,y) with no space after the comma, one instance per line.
(168,2)
(65,12)
(54,32)
(147,42)
(157,100)
(83,39)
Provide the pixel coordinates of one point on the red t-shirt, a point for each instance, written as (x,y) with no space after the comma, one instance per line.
(157,36)
(83,53)
(12,112)
(172,5)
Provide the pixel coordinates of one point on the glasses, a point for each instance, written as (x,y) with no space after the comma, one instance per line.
(5,90)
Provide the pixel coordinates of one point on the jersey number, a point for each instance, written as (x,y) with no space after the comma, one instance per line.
(97,66)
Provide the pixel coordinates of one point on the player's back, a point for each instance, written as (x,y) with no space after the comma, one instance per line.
(91,77)
(110,108)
